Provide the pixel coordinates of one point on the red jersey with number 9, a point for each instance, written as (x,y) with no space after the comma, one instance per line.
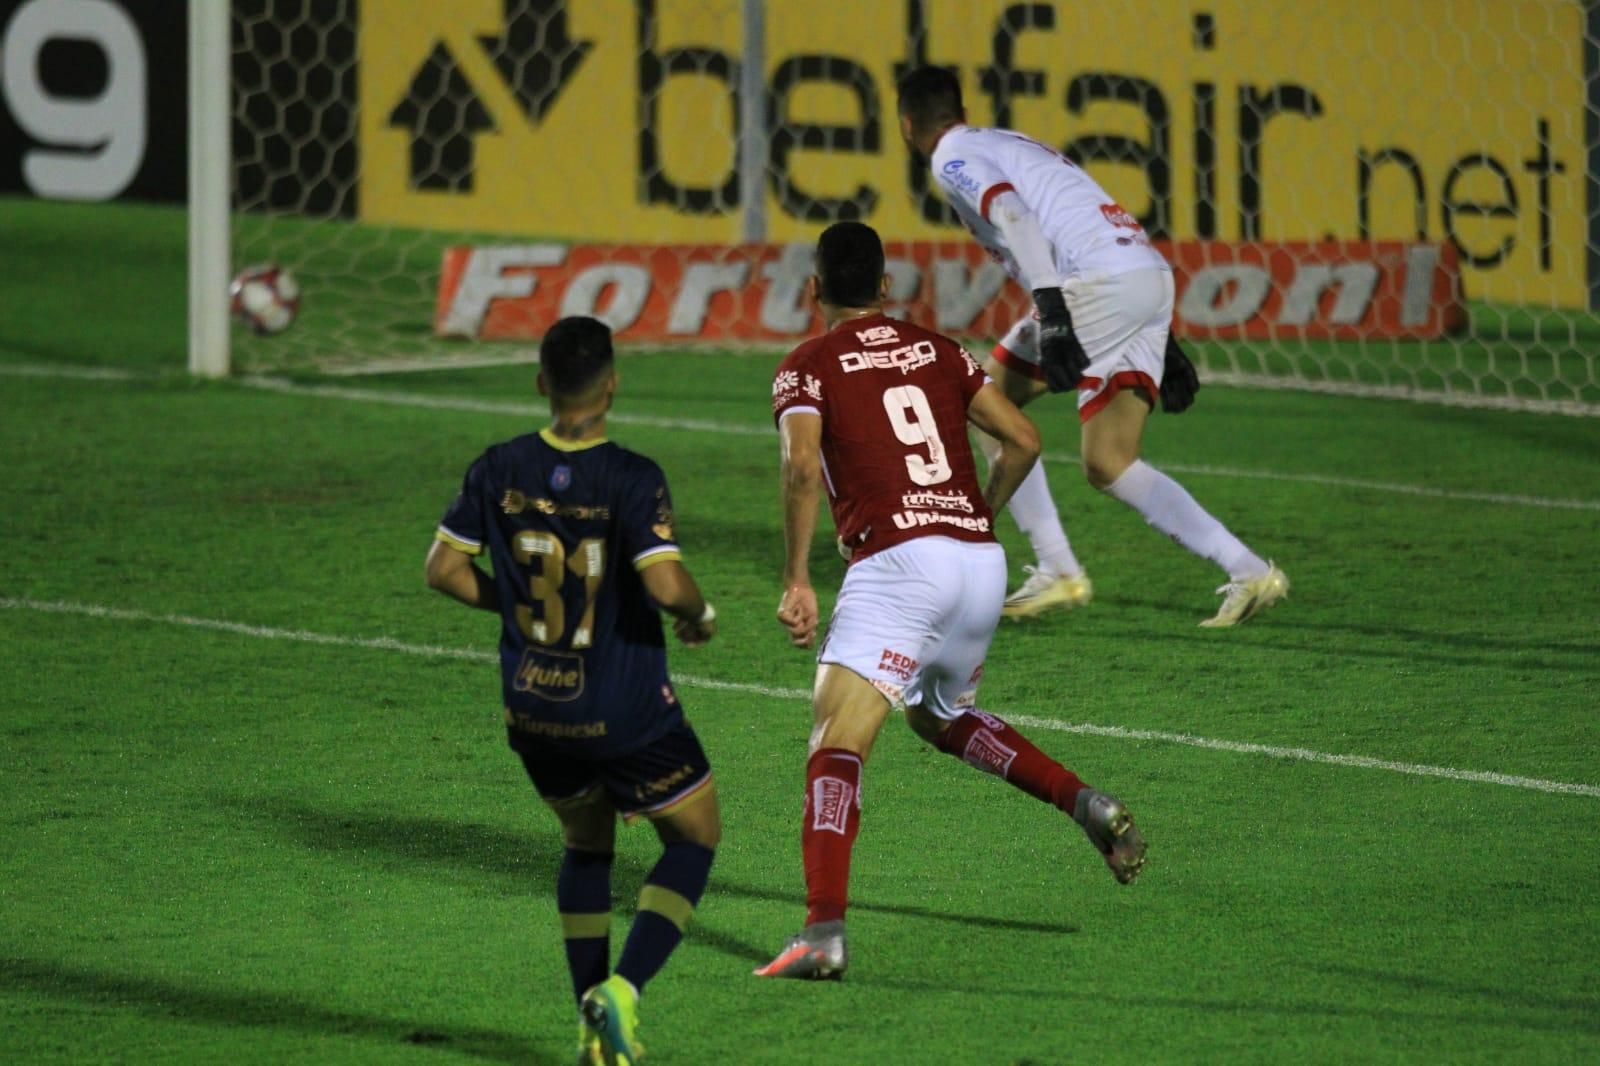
(895,459)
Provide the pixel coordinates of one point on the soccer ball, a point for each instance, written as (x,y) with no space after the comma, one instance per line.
(265,298)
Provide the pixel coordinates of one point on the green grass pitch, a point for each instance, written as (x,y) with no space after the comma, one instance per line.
(258,808)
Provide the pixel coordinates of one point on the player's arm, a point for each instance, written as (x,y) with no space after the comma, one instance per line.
(670,584)
(452,572)
(997,416)
(800,441)
(1060,355)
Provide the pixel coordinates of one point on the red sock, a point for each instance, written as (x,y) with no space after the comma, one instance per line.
(990,744)
(832,820)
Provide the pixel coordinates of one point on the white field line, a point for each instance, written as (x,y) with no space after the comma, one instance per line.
(535,411)
(434,651)
(1405,393)
(1571,408)
(81,373)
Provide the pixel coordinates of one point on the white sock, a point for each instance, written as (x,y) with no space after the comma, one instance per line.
(1036,515)
(1168,507)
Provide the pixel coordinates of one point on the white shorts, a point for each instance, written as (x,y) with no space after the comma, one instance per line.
(1122,322)
(916,620)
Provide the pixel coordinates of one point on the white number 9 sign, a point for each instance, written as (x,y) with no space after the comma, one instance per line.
(92,145)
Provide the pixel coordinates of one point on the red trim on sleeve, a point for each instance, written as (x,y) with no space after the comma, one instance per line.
(990,193)
(1125,379)
(1012,361)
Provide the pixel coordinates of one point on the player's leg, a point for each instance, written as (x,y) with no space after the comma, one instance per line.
(583,896)
(1057,578)
(849,711)
(874,640)
(572,789)
(1133,312)
(940,709)
(674,772)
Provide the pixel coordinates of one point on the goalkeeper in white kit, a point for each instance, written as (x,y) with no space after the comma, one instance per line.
(1103,298)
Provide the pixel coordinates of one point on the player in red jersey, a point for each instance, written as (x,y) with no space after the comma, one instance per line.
(876,412)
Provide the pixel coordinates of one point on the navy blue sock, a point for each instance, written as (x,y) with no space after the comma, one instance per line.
(668,899)
(583,895)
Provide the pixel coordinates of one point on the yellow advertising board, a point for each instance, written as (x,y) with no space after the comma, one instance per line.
(617,120)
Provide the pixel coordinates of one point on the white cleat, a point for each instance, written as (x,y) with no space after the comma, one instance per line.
(1242,599)
(1044,591)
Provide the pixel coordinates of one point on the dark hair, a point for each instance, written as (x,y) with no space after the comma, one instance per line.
(849,265)
(574,354)
(931,97)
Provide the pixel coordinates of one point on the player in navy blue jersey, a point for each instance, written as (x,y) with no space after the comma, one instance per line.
(580,533)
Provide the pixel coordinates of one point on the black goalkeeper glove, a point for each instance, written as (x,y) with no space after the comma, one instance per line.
(1060,354)
(1179,382)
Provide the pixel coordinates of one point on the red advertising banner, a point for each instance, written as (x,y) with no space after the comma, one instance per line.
(729,293)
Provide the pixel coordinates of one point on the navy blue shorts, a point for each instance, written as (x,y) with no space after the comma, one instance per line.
(661,775)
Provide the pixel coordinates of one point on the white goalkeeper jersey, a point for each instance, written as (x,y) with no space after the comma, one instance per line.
(1089,231)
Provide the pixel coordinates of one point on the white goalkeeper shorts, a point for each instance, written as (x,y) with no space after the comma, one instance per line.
(916,620)
(1122,321)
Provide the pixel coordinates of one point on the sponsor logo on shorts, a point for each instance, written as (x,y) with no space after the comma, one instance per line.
(985,751)
(662,785)
(830,804)
(893,662)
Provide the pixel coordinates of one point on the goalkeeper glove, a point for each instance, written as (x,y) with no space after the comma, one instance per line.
(1060,354)
(1179,382)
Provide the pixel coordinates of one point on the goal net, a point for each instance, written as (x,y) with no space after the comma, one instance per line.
(1295,160)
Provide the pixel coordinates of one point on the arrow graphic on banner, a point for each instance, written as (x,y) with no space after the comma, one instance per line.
(534,54)
(443,114)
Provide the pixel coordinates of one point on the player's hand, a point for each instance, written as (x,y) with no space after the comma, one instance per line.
(1060,355)
(1179,382)
(696,631)
(798,613)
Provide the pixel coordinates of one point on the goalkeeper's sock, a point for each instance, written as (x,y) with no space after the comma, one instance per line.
(1034,511)
(1168,507)
(668,899)
(583,896)
(828,834)
(991,744)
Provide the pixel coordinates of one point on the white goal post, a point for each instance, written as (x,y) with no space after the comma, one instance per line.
(1302,169)
(210,178)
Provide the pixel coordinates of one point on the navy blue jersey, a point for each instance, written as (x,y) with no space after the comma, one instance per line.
(568,527)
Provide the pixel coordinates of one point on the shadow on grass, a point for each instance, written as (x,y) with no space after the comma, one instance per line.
(1500,1016)
(524,863)
(166,999)
(1503,995)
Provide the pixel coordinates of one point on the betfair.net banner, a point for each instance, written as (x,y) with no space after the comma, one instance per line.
(1456,121)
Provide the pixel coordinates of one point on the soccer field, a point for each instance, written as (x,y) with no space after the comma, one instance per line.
(259,806)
